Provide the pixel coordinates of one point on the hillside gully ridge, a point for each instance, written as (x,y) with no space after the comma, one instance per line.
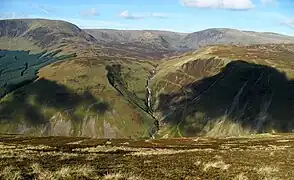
(216,104)
(148,90)
(149,103)
(182,90)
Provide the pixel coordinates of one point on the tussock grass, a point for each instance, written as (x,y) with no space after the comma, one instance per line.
(217,164)
(113,176)
(11,173)
(267,170)
(241,176)
(106,149)
(121,176)
(65,172)
(206,158)
(149,152)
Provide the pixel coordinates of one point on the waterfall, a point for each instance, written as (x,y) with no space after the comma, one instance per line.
(148,90)
(155,128)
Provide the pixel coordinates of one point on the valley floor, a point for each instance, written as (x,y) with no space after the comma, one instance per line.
(257,157)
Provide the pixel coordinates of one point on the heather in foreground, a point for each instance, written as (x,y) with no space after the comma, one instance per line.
(252,157)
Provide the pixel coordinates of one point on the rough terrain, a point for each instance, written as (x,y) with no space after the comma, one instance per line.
(267,156)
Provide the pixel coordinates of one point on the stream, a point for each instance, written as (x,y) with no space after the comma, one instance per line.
(148,90)
(149,103)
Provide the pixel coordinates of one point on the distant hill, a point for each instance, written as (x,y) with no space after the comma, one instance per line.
(172,41)
(144,38)
(40,34)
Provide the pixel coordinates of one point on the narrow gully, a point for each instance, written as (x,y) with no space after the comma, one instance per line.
(149,103)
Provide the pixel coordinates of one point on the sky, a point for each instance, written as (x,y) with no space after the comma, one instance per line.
(172,15)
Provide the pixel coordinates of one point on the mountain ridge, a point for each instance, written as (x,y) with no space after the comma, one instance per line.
(117,89)
(141,44)
(189,41)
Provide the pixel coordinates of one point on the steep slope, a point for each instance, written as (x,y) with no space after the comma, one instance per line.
(106,91)
(74,98)
(43,34)
(18,68)
(226,90)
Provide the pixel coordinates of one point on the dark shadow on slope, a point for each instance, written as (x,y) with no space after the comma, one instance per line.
(19,68)
(256,96)
(116,79)
(29,102)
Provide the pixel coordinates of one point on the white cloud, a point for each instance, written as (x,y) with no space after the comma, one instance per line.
(90,12)
(127,15)
(221,4)
(290,22)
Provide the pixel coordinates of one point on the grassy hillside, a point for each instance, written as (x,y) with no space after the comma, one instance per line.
(100,91)
(226,90)
(75,98)
(42,34)
(216,91)
(72,97)
(227,36)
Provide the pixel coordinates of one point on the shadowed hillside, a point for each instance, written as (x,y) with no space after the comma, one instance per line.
(30,110)
(74,98)
(242,98)
(19,68)
(211,92)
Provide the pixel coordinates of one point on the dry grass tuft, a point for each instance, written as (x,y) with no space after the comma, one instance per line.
(218,165)
(80,171)
(149,152)
(121,176)
(241,176)
(10,173)
(207,158)
(113,176)
(267,170)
